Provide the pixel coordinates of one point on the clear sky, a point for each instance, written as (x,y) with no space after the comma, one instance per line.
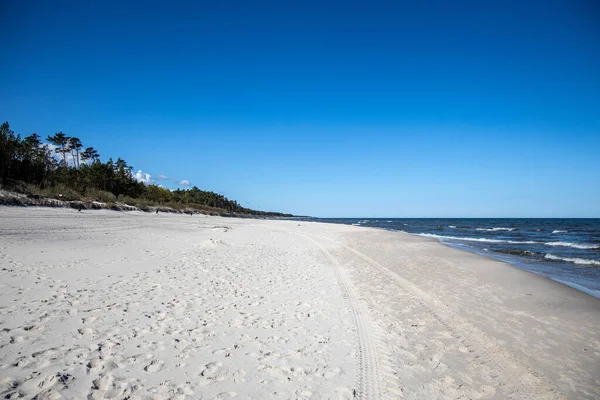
(441,109)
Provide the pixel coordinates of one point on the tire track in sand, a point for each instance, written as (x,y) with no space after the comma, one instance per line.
(368,380)
(522,379)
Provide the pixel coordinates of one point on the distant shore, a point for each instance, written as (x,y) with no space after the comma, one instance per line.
(100,304)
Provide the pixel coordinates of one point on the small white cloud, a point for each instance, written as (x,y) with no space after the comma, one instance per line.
(162,177)
(184,182)
(143,177)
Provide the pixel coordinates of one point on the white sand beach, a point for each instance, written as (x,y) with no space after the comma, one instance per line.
(115,305)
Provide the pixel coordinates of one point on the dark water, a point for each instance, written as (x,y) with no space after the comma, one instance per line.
(566,250)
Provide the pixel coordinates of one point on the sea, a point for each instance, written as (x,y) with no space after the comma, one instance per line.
(565,250)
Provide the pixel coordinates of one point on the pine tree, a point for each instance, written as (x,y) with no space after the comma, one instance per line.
(61,141)
(75,145)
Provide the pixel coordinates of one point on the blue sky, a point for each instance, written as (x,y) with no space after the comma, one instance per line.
(468,109)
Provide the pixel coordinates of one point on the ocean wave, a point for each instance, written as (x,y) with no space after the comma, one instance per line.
(516,252)
(558,231)
(574,245)
(495,229)
(472,239)
(452,226)
(580,261)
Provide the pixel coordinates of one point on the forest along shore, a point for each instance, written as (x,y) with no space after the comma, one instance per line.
(106,304)
(61,173)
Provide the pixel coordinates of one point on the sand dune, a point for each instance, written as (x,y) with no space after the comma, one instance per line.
(142,306)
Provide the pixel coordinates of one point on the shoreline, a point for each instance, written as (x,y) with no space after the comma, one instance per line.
(167,306)
(515,265)
(591,292)
(510,261)
(565,284)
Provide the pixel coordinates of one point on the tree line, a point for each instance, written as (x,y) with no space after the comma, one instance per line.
(28,163)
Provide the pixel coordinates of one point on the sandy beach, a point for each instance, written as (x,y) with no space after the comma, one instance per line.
(104,304)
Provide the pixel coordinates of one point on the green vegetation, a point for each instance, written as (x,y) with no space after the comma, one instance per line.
(29,166)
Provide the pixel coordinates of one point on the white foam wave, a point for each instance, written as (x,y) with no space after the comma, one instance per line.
(452,226)
(558,231)
(574,245)
(495,229)
(357,224)
(581,261)
(472,239)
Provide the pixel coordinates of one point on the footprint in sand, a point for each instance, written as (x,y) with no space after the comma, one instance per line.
(17,339)
(36,383)
(214,371)
(49,394)
(88,320)
(34,328)
(87,333)
(239,376)
(154,366)
(72,311)
(103,383)
(95,365)
(225,395)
